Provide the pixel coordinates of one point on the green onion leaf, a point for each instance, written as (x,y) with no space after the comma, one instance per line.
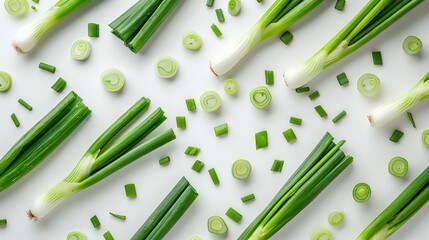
(234,215)
(47,67)
(314,95)
(248,198)
(322,113)
(217,225)
(289,135)
(118,216)
(219,15)
(376,58)
(261,140)
(108,236)
(269,77)
(295,121)
(216,30)
(241,169)
(130,190)
(190,105)
(302,89)
(95,222)
(93,30)
(213,176)
(192,151)
(164,161)
(411,119)
(181,122)
(25,104)
(59,85)
(209,3)
(3,222)
(286,37)
(277,166)
(15,120)
(396,136)
(340,4)
(198,166)
(339,117)
(221,130)
(342,79)
(113,80)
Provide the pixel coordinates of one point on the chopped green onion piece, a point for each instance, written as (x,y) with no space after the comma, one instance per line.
(47,67)
(34,8)
(190,105)
(219,15)
(16,7)
(234,7)
(95,222)
(195,238)
(340,116)
(248,198)
(164,161)
(289,135)
(76,235)
(234,215)
(221,129)
(166,67)
(213,176)
(181,122)
(314,95)
(210,101)
(339,5)
(59,85)
(269,77)
(108,236)
(398,167)
(361,192)
(260,1)
(198,166)
(342,79)
(411,119)
(321,233)
(412,45)
(5,81)
(260,97)
(425,138)
(80,50)
(217,225)
(25,104)
(192,41)
(302,89)
(216,30)
(3,222)
(113,80)
(322,113)
(241,169)
(368,85)
(286,37)
(230,86)
(261,140)
(35,1)
(210,3)
(396,136)
(118,216)
(93,30)
(192,151)
(376,58)
(295,120)
(130,190)
(277,166)
(15,120)
(336,218)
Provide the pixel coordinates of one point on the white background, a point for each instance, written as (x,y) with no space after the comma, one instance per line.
(370,147)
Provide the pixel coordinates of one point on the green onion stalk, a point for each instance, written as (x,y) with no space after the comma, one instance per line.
(408,203)
(29,36)
(279,16)
(391,110)
(374,18)
(105,157)
(319,169)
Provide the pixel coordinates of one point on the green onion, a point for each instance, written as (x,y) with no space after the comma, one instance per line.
(302,89)
(289,135)
(322,113)
(314,95)
(25,104)
(221,129)
(376,58)
(269,77)
(190,105)
(103,159)
(286,37)
(198,166)
(412,45)
(195,238)
(277,18)
(260,1)
(15,120)
(168,212)
(164,161)
(80,50)
(260,97)
(336,218)
(181,122)
(411,119)
(339,117)
(118,216)
(5,81)
(217,225)
(192,41)
(16,7)
(108,236)
(371,20)
(321,233)
(192,151)
(95,222)
(213,176)
(425,138)
(342,79)
(234,7)
(396,136)
(219,15)
(76,235)
(3,222)
(113,80)
(234,215)
(216,30)
(59,85)
(93,30)
(295,120)
(391,110)
(241,169)
(210,101)
(398,167)
(277,166)
(47,67)
(261,140)
(130,190)
(361,192)
(35,1)
(210,3)
(248,198)
(368,85)
(34,8)
(340,4)
(230,86)
(166,67)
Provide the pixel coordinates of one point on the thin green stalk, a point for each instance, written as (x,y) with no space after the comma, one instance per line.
(290,5)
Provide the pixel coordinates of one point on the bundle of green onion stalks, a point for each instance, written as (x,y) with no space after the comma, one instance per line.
(318,170)
(42,139)
(408,203)
(106,156)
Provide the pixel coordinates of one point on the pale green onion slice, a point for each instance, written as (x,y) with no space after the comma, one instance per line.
(75,235)
(192,41)
(217,225)
(80,50)
(195,238)
(260,97)
(241,169)
(336,218)
(361,192)
(230,86)
(234,7)
(166,67)
(321,233)
(425,138)
(112,79)
(16,7)
(368,85)
(398,167)
(210,101)
(5,81)
(412,45)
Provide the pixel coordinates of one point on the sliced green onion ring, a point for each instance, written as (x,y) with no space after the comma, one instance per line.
(241,169)
(336,218)
(112,79)
(192,41)
(80,50)
(425,138)
(321,233)
(76,235)
(16,7)
(234,7)
(368,85)
(217,225)
(260,97)
(230,86)
(166,67)
(5,81)
(210,101)
(195,238)
(361,192)
(398,167)
(412,45)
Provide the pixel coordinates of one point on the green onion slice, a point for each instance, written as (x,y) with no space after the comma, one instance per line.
(130,190)
(219,15)
(112,79)
(248,198)
(241,169)
(221,129)
(75,235)
(336,218)
(260,97)
(412,45)
(368,85)
(321,233)
(213,176)
(80,50)
(217,225)
(166,67)
(234,7)
(118,216)
(3,222)
(361,192)
(5,81)
(210,101)
(16,7)
(425,138)
(192,41)
(230,86)
(195,238)
(398,167)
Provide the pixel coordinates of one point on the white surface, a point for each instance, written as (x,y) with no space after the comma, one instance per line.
(370,147)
